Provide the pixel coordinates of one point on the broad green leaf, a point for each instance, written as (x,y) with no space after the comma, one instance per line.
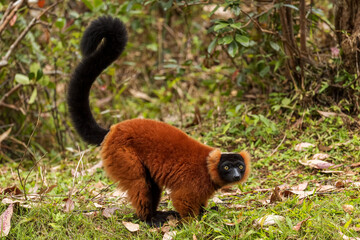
(44,81)
(21,78)
(39,74)
(226,128)
(264,71)
(347,224)
(60,23)
(220,26)
(31,75)
(88,4)
(243,40)
(236,25)
(212,46)
(34,67)
(291,6)
(285,101)
(275,46)
(277,65)
(33,96)
(98,3)
(130,5)
(227,39)
(236,10)
(233,49)
(166,5)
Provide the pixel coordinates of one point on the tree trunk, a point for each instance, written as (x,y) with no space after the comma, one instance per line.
(347,25)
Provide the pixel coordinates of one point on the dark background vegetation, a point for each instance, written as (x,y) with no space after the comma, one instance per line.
(279,55)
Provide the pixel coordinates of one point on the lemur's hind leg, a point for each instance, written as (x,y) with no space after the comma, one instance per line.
(123,166)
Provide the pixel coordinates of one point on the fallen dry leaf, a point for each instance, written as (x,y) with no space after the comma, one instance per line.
(169,235)
(264,201)
(318,164)
(140,95)
(327,114)
(298,225)
(132,227)
(326,188)
(91,213)
(303,146)
(98,205)
(194,237)
(348,238)
(47,189)
(268,220)
(12,191)
(300,187)
(165,228)
(172,221)
(99,185)
(284,186)
(92,170)
(108,212)
(5,221)
(340,184)
(239,218)
(217,200)
(236,206)
(324,148)
(10,201)
(351,173)
(69,205)
(348,208)
(331,171)
(275,196)
(301,194)
(355,165)
(320,156)
(337,166)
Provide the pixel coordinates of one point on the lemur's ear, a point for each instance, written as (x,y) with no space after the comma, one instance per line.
(247,160)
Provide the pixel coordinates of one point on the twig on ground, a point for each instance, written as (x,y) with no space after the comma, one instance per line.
(76,170)
(275,150)
(23,157)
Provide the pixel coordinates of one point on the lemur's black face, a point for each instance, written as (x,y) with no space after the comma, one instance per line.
(231,167)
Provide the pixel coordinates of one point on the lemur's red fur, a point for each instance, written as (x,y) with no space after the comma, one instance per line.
(144,156)
(175,160)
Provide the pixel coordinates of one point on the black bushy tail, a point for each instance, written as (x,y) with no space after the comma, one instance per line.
(102,43)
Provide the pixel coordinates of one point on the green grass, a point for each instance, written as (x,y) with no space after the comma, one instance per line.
(46,218)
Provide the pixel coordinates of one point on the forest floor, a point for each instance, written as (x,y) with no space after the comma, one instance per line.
(304,185)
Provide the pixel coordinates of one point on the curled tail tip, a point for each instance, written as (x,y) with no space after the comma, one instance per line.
(106,27)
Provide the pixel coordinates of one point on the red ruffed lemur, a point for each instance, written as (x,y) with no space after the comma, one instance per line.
(144,156)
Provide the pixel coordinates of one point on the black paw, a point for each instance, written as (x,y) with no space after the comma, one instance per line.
(161,218)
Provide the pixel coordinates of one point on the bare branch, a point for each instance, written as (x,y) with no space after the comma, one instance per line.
(9,15)
(4,61)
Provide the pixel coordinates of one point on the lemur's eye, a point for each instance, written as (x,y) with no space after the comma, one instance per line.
(241,167)
(226,168)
